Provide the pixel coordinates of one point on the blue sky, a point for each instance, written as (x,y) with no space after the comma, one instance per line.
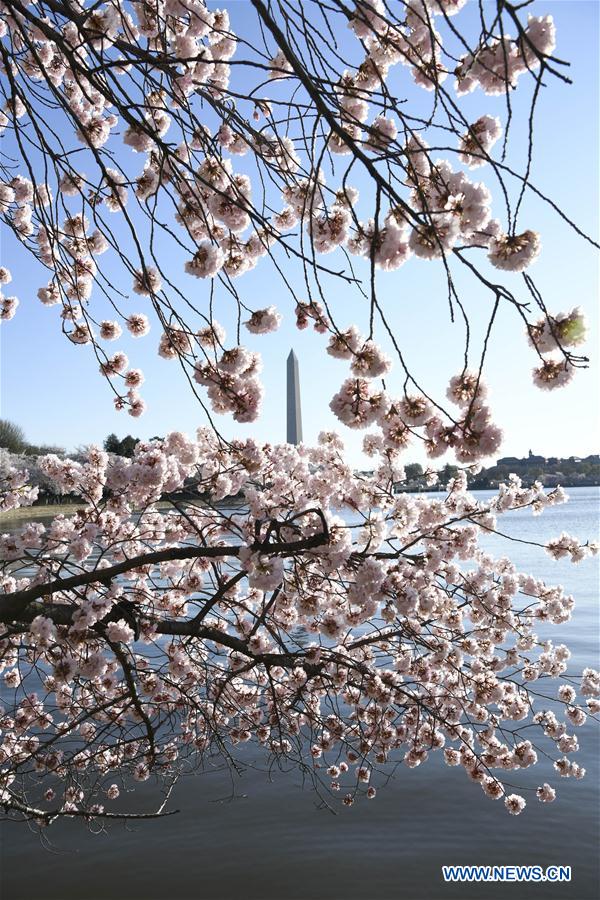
(53,390)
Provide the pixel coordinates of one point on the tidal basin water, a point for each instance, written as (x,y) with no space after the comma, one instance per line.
(272,841)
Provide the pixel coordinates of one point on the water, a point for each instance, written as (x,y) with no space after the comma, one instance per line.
(272,841)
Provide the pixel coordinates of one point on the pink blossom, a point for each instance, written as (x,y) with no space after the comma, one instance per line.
(553,374)
(110,331)
(478,141)
(514,253)
(8,307)
(262,321)
(138,325)
(515,804)
(147,282)
(207,261)
(381,133)
(545,793)
(119,632)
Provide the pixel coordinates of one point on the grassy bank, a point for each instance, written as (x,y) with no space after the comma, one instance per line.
(29,513)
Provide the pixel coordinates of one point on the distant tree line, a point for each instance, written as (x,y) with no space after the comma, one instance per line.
(12,438)
(124,447)
(568,472)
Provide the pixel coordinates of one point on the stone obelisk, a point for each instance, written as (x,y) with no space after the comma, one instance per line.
(294,413)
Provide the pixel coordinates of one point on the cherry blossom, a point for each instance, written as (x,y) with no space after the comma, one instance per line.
(514,253)
(262,321)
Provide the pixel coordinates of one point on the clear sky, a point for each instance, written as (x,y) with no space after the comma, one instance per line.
(53,390)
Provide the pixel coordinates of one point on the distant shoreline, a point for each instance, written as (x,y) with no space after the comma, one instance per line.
(494,487)
(47,510)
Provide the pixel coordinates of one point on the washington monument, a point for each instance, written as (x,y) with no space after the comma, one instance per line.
(294,413)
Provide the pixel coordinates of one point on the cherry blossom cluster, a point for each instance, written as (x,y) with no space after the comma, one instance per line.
(479,140)
(232,383)
(144,640)
(8,305)
(551,335)
(497,67)
(360,403)
(15,491)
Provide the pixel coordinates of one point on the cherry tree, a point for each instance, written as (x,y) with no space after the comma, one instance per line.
(337,625)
